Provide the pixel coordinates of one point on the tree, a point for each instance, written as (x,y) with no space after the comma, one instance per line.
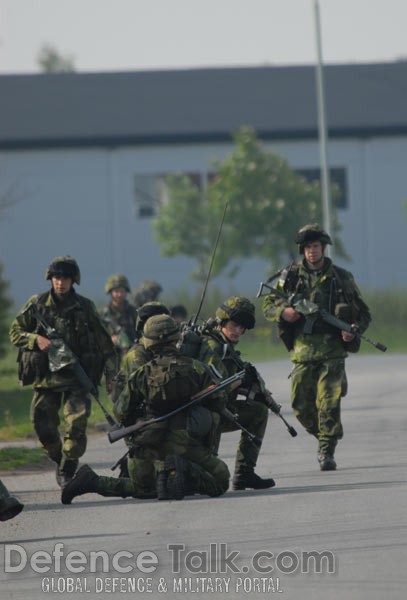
(267,203)
(5,305)
(51,61)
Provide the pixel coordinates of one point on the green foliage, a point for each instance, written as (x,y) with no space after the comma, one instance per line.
(267,202)
(5,305)
(51,61)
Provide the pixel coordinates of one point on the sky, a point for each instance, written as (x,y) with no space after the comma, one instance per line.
(131,35)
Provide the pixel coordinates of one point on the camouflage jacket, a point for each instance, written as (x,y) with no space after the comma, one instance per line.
(136,357)
(76,320)
(328,289)
(121,323)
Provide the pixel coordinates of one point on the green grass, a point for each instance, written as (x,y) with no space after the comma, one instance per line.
(15,403)
(15,457)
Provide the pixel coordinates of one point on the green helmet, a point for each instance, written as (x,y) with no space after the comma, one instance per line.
(66,266)
(115,281)
(238,309)
(311,233)
(149,309)
(146,291)
(160,329)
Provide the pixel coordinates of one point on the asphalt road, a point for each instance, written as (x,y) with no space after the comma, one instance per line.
(350,525)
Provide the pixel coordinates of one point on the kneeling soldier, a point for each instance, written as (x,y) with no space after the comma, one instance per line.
(182,458)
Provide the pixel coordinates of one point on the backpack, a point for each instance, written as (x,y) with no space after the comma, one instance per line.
(170,383)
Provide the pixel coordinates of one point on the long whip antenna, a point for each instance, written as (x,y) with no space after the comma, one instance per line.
(211,262)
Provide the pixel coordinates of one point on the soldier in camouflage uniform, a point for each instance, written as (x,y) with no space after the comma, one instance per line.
(318,350)
(10,507)
(147,291)
(162,385)
(77,322)
(119,316)
(233,317)
(136,357)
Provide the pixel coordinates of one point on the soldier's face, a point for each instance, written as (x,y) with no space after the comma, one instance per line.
(313,253)
(233,331)
(118,296)
(61,285)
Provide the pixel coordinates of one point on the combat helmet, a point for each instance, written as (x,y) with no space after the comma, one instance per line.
(160,329)
(65,266)
(238,309)
(149,309)
(312,232)
(117,280)
(146,291)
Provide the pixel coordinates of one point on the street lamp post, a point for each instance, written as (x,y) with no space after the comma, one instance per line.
(322,130)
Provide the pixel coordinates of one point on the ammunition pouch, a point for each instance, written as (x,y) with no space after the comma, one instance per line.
(285,332)
(93,366)
(32,366)
(199,421)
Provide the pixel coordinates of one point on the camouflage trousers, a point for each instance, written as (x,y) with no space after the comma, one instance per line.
(253,416)
(45,409)
(208,474)
(316,392)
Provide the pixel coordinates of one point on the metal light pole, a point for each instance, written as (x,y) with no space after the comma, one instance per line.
(325,180)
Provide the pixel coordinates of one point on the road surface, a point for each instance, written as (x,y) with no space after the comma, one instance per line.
(319,535)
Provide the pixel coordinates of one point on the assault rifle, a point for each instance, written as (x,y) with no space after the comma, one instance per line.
(258,386)
(61,356)
(122,432)
(311,311)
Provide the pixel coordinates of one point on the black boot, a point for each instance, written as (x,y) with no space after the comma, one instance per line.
(326,462)
(161,486)
(10,507)
(176,471)
(65,471)
(84,482)
(247,478)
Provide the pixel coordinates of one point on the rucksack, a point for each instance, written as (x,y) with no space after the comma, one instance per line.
(170,382)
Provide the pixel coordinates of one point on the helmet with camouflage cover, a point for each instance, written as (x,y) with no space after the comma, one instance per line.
(117,280)
(238,309)
(160,329)
(64,266)
(149,309)
(312,232)
(146,291)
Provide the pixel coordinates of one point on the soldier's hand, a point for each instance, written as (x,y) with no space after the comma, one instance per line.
(43,343)
(348,337)
(274,406)
(109,385)
(290,315)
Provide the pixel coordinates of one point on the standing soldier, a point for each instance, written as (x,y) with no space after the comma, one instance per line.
(233,317)
(74,319)
(317,349)
(180,459)
(147,291)
(119,316)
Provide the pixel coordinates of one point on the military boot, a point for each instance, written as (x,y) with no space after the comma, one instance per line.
(326,462)
(10,507)
(176,471)
(65,471)
(84,482)
(161,486)
(247,478)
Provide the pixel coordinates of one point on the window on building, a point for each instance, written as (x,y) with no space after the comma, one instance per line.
(338,178)
(151,191)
